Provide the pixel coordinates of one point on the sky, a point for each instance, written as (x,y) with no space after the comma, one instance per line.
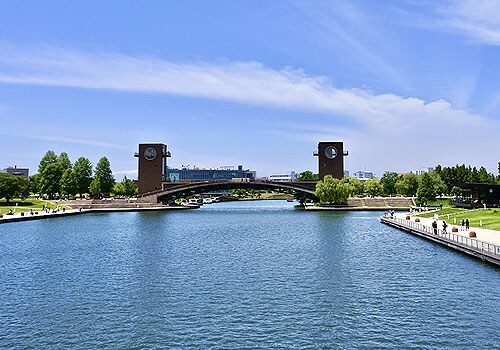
(404,84)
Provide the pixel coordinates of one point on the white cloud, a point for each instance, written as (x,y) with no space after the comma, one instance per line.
(478,20)
(379,125)
(87,142)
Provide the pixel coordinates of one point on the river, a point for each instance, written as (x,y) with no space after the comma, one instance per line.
(241,275)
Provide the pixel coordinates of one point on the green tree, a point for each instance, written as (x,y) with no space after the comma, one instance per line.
(125,188)
(388,182)
(332,191)
(307,175)
(83,170)
(439,186)
(104,174)
(426,191)
(69,183)
(407,185)
(95,187)
(14,187)
(373,187)
(63,159)
(48,158)
(484,177)
(50,180)
(35,182)
(356,185)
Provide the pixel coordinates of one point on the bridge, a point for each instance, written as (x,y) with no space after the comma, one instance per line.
(175,190)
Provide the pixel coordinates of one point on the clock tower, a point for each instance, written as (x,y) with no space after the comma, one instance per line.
(152,166)
(331,159)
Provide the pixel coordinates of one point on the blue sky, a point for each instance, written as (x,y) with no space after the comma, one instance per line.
(405,84)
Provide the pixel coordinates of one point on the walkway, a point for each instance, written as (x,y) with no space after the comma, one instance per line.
(484,246)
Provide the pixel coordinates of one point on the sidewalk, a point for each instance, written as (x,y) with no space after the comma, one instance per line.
(485,235)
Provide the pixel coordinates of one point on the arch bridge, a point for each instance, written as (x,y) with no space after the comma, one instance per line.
(174,190)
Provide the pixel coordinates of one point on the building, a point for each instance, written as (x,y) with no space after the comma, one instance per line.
(363,175)
(331,159)
(423,170)
(16,171)
(197,174)
(477,195)
(290,177)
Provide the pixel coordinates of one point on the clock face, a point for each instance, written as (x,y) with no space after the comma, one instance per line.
(330,152)
(150,153)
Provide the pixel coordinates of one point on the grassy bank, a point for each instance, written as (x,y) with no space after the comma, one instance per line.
(18,205)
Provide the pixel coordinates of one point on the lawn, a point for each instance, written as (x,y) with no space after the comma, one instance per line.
(25,205)
(490,218)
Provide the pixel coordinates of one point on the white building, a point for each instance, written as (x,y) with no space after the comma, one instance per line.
(423,170)
(290,177)
(363,175)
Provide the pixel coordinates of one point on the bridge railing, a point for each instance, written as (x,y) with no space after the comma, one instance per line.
(473,243)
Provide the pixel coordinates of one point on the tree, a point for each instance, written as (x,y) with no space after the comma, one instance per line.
(388,182)
(373,187)
(125,188)
(14,186)
(83,171)
(104,174)
(332,191)
(50,180)
(307,175)
(48,158)
(355,184)
(35,182)
(484,177)
(426,191)
(63,159)
(439,186)
(95,187)
(407,185)
(69,183)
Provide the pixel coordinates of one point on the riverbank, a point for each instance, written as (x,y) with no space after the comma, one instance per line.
(23,216)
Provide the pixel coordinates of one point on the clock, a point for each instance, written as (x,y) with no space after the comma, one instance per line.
(150,153)
(330,152)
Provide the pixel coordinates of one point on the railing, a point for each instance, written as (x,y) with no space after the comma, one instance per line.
(477,245)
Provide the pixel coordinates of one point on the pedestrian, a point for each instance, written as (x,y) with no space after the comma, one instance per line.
(467,224)
(445,225)
(462,227)
(435,227)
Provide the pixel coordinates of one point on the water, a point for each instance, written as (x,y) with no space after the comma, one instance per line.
(253,275)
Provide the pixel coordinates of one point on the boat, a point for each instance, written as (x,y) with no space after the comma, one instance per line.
(289,199)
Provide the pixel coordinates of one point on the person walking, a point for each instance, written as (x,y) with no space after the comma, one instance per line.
(467,224)
(435,227)
(445,225)
(462,226)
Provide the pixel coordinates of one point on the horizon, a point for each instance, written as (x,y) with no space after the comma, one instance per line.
(405,86)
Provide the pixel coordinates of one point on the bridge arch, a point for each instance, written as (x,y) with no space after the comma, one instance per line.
(174,191)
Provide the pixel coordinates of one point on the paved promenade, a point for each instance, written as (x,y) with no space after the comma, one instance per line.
(485,235)
(95,209)
(484,246)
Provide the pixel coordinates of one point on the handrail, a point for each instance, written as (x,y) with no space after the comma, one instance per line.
(473,243)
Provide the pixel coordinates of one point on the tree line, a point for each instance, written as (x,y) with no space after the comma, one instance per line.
(425,187)
(58,177)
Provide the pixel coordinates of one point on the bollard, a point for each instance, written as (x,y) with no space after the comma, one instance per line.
(454,220)
(480,222)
